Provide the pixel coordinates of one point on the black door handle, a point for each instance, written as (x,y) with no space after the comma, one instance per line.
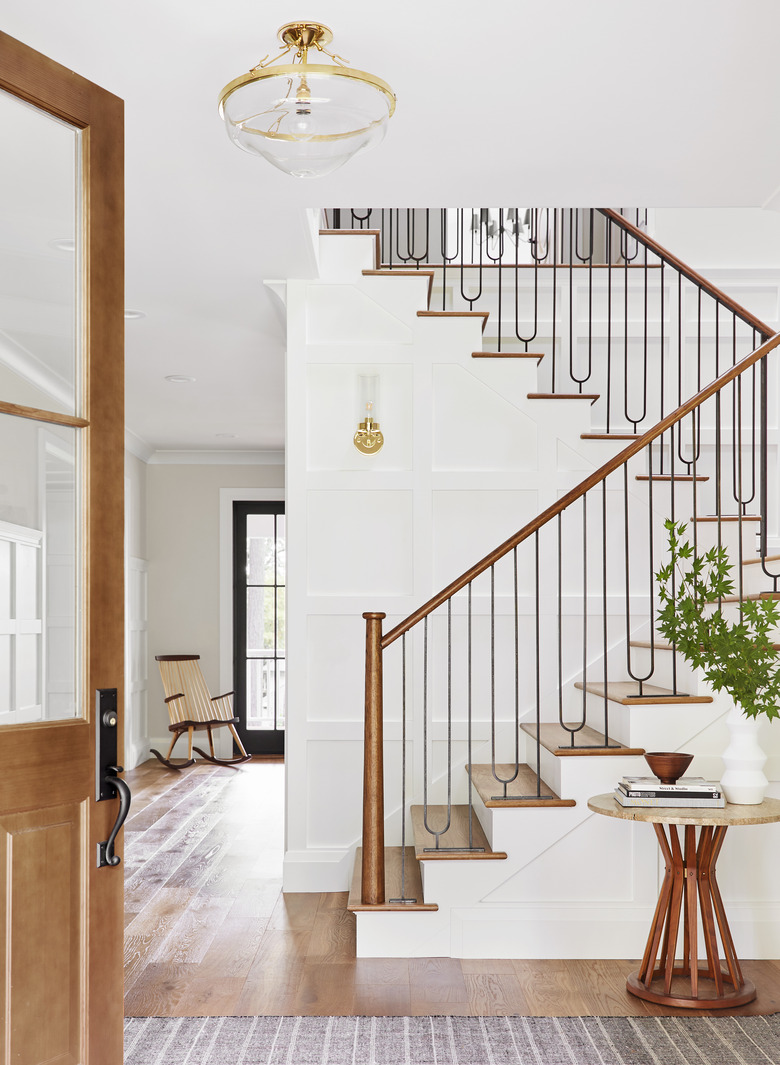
(106,854)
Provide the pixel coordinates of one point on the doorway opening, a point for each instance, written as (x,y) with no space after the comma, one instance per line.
(259,659)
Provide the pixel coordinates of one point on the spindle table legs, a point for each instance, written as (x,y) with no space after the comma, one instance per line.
(689,888)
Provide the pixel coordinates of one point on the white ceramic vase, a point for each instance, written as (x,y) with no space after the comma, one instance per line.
(743,782)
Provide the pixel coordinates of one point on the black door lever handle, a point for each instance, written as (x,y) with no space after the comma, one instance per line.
(106,854)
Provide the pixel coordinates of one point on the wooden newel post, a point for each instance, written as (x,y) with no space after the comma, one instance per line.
(373,889)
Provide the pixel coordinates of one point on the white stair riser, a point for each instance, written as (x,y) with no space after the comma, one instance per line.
(344,258)
(401,296)
(663,671)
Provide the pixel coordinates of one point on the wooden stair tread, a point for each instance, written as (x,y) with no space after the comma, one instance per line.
(456,314)
(755,596)
(755,561)
(609,436)
(556,739)
(592,396)
(728,517)
(357,233)
(668,477)
(623,691)
(659,645)
(456,836)
(507,355)
(413,884)
(522,786)
(404,273)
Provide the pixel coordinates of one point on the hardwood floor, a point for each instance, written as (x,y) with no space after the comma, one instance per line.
(208,931)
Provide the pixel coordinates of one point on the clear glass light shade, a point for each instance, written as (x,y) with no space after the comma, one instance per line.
(307,121)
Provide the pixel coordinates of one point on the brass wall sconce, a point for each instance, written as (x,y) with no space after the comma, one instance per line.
(368,439)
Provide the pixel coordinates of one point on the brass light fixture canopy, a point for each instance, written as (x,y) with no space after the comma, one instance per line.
(306,118)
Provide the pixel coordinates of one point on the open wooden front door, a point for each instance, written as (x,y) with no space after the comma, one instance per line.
(61,564)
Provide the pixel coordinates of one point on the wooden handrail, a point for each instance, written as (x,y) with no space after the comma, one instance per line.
(585,486)
(680,266)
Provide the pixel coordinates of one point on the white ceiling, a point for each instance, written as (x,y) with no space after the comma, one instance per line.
(674,103)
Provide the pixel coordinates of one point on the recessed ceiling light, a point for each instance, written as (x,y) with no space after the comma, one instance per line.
(179,379)
(63,244)
(133,314)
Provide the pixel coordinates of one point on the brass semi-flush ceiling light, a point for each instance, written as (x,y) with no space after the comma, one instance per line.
(306,118)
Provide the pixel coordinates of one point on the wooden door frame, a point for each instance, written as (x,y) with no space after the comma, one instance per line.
(38,80)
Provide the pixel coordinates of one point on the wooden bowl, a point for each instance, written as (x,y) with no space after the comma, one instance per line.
(668,766)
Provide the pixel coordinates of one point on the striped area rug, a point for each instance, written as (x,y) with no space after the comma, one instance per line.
(452,1040)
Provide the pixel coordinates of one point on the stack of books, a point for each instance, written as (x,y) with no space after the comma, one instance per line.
(687,791)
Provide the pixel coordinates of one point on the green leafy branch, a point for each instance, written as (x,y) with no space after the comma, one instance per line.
(735,656)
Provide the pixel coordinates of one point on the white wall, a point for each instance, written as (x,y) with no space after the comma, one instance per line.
(135,506)
(729,238)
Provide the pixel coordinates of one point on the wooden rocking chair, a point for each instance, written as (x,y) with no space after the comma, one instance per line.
(192,709)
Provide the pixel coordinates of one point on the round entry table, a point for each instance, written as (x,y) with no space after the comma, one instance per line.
(690,889)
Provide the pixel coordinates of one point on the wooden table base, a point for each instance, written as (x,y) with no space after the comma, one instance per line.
(690,887)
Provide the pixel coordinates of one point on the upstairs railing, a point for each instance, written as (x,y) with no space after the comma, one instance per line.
(615,315)
(538,631)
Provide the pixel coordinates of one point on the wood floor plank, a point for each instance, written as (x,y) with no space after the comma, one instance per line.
(495,995)
(295,911)
(550,989)
(272,983)
(326,989)
(160,990)
(437,981)
(333,935)
(210,933)
(384,1000)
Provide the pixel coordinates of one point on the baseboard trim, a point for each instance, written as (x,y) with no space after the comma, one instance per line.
(318,870)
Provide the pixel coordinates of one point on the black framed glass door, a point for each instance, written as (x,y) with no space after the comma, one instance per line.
(259,625)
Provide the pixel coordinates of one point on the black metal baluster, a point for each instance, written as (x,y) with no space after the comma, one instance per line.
(554,298)
(403,899)
(662,399)
(526,340)
(537,657)
(572,376)
(437,833)
(672,515)
(604,606)
(626,374)
(469,711)
(585,611)
(516,773)
(609,324)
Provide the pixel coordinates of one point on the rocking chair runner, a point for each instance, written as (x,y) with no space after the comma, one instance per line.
(192,709)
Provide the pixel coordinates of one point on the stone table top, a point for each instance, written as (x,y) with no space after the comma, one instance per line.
(762,814)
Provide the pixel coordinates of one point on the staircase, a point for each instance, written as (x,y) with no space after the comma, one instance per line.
(535,679)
